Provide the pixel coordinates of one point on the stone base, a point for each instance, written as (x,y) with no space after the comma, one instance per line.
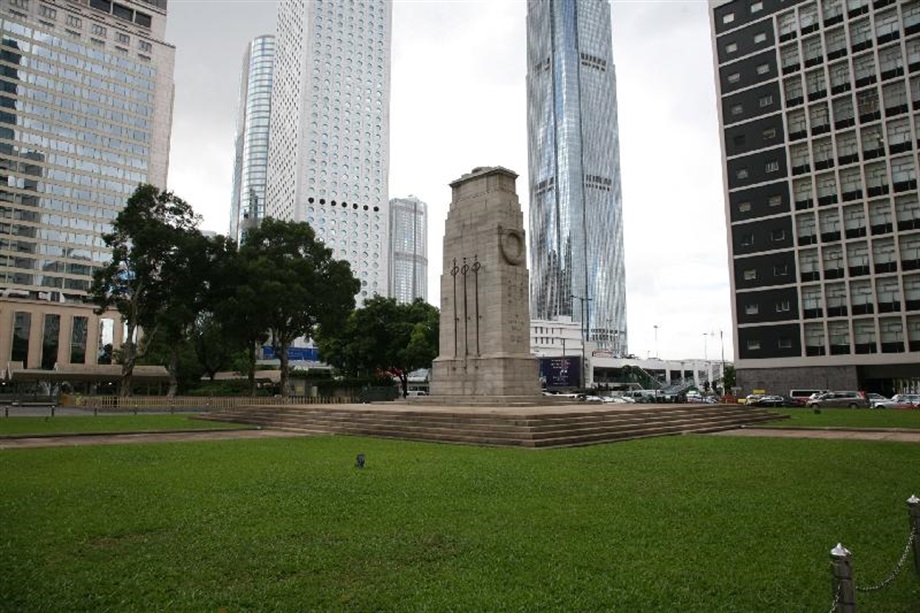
(496,377)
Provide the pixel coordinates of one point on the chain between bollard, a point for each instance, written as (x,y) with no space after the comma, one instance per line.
(894,573)
(836,601)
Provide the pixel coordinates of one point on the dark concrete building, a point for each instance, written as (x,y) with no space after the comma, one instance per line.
(819,106)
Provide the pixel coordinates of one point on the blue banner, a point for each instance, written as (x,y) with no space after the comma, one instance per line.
(297,354)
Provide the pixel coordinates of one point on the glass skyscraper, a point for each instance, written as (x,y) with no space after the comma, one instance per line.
(250,168)
(408,249)
(86,90)
(330,122)
(576,224)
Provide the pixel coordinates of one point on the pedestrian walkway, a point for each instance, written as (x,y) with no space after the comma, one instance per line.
(126,438)
(903,436)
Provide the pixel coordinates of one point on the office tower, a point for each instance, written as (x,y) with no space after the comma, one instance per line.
(819,111)
(408,249)
(250,168)
(86,90)
(328,157)
(576,222)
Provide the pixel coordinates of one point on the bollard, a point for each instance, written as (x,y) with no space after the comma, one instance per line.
(913,511)
(844,590)
(52,410)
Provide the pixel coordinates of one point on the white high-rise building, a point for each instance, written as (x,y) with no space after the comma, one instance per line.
(328,160)
(250,168)
(408,249)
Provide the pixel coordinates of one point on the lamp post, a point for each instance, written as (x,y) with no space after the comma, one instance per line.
(585,334)
(722,373)
(656,339)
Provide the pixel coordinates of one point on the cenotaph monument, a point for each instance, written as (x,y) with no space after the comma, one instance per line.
(485,297)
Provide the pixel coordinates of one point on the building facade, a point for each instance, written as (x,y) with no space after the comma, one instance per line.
(819,106)
(408,253)
(328,159)
(576,223)
(86,90)
(250,164)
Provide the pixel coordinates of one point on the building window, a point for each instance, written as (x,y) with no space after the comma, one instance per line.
(769,134)
(778,235)
(728,18)
(785,343)
(780,270)
(98,30)
(766,101)
(750,274)
(760,37)
(763,69)
(772,166)
(744,207)
(753,345)
(756,7)
(751,309)
(121,37)
(47,12)
(747,240)
(742,173)
(74,22)
(782,306)
(737,109)
(734,77)
(22,327)
(775,200)
(731,47)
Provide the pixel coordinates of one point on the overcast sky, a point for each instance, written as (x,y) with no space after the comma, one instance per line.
(458,101)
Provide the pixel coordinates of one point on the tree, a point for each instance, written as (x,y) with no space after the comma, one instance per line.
(297,284)
(728,379)
(212,343)
(384,336)
(147,255)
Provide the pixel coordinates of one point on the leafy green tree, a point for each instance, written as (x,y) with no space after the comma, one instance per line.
(146,241)
(296,283)
(212,342)
(728,379)
(383,336)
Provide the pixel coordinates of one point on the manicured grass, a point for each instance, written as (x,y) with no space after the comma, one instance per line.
(847,418)
(690,523)
(83,424)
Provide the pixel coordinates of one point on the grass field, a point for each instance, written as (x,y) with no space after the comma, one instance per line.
(84,424)
(689,523)
(847,418)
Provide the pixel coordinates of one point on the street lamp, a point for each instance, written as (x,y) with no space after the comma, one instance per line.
(585,334)
(656,339)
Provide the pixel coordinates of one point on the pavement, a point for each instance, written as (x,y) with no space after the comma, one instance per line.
(75,440)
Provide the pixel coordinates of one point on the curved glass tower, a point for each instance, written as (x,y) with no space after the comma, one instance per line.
(576,223)
(251,164)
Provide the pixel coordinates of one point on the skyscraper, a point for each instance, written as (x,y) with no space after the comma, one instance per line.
(328,159)
(408,249)
(819,112)
(576,223)
(86,90)
(250,168)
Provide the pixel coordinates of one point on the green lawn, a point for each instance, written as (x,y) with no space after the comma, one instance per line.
(847,418)
(688,523)
(84,424)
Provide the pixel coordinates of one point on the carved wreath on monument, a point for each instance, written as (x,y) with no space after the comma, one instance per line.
(511,246)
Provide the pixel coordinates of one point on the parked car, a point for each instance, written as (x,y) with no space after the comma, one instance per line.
(777,401)
(750,399)
(846,399)
(901,401)
(877,401)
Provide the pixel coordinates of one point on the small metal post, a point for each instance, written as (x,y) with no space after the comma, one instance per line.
(913,511)
(52,410)
(844,589)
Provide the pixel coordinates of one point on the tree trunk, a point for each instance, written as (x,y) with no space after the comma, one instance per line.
(252,369)
(173,371)
(128,358)
(283,356)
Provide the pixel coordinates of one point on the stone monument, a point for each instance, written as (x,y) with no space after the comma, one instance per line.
(485,295)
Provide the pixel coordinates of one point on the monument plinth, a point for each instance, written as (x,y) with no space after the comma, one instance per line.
(485,304)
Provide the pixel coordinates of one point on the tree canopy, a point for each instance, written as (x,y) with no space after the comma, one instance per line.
(383,336)
(151,242)
(296,283)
